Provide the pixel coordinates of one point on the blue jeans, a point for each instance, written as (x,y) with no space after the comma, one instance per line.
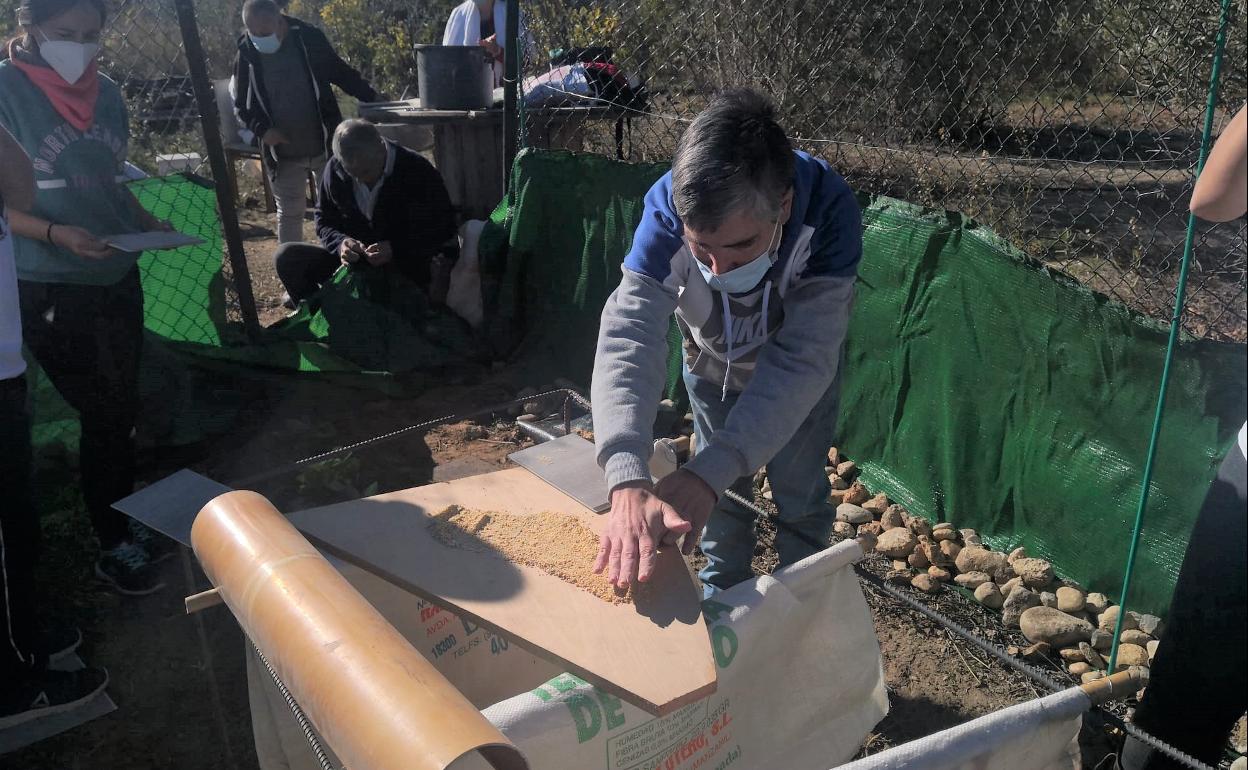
(799,487)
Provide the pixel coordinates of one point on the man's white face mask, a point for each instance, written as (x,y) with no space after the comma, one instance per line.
(66,57)
(743,278)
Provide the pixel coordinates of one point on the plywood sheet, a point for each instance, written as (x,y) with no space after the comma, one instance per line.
(654,652)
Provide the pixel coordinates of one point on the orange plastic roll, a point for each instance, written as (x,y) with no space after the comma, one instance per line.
(375,700)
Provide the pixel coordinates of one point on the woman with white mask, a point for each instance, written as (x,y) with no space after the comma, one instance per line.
(81,301)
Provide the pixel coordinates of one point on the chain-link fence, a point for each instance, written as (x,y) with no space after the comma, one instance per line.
(1070,127)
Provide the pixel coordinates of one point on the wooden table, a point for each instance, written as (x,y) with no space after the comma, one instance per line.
(467,145)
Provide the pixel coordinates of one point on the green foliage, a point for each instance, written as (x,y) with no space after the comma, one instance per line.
(554,25)
(334,479)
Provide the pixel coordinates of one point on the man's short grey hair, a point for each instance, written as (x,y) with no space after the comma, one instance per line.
(733,157)
(357,141)
(254,8)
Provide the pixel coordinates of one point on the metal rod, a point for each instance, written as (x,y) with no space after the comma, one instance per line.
(1176,326)
(247,481)
(314,741)
(206,100)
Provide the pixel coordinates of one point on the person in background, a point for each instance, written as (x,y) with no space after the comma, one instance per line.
(1198,683)
(484,23)
(28,688)
(379,206)
(81,300)
(755,247)
(283,76)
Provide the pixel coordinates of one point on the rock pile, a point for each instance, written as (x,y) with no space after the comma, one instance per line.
(1061,620)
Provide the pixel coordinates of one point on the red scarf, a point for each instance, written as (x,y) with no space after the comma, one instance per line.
(76,102)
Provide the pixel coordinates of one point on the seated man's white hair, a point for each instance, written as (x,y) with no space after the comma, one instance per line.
(356,140)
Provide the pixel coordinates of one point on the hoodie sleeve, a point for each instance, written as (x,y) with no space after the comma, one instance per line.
(338,72)
(246,104)
(629,371)
(797,366)
(328,216)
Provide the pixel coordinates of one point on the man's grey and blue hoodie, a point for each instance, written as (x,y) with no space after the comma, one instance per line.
(779,357)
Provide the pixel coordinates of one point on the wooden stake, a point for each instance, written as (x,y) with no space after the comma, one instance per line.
(202,601)
(1118,685)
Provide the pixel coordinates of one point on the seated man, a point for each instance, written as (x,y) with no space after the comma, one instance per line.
(379,206)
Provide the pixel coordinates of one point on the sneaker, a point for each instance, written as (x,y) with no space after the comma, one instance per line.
(158,546)
(48,693)
(60,642)
(128,570)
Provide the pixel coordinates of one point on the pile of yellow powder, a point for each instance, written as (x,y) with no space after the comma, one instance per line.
(555,543)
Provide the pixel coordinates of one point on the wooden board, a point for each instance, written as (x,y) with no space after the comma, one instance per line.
(654,653)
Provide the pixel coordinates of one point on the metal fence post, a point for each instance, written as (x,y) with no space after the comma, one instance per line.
(206,100)
(511,75)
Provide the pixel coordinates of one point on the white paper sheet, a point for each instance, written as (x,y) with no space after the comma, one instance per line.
(156,240)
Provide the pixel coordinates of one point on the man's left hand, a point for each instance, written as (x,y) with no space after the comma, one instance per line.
(692,498)
(379,253)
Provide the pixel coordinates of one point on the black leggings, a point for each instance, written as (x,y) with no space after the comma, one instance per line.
(88,339)
(1198,683)
(19,536)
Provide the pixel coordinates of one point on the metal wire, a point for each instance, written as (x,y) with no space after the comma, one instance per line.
(248,481)
(314,741)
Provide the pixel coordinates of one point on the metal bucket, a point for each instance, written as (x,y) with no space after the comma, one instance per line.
(454,77)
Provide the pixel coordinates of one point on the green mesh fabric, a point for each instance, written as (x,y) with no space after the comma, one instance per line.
(985,390)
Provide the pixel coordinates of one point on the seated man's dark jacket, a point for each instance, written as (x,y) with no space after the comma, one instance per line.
(413,212)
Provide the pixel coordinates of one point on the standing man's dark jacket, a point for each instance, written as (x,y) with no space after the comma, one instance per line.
(413,212)
(325,68)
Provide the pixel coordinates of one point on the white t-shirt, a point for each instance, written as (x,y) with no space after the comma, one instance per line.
(11,362)
(365,196)
(1243,441)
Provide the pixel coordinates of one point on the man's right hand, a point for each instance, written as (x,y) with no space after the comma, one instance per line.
(639,523)
(273,137)
(350,251)
(490,44)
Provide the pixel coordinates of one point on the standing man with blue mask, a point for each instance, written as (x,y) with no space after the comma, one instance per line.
(755,247)
(284,75)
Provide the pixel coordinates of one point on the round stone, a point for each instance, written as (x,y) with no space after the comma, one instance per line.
(1070,599)
(853,514)
(1047,624)
(896,543)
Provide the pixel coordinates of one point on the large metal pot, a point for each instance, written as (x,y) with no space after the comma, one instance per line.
(454,77)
